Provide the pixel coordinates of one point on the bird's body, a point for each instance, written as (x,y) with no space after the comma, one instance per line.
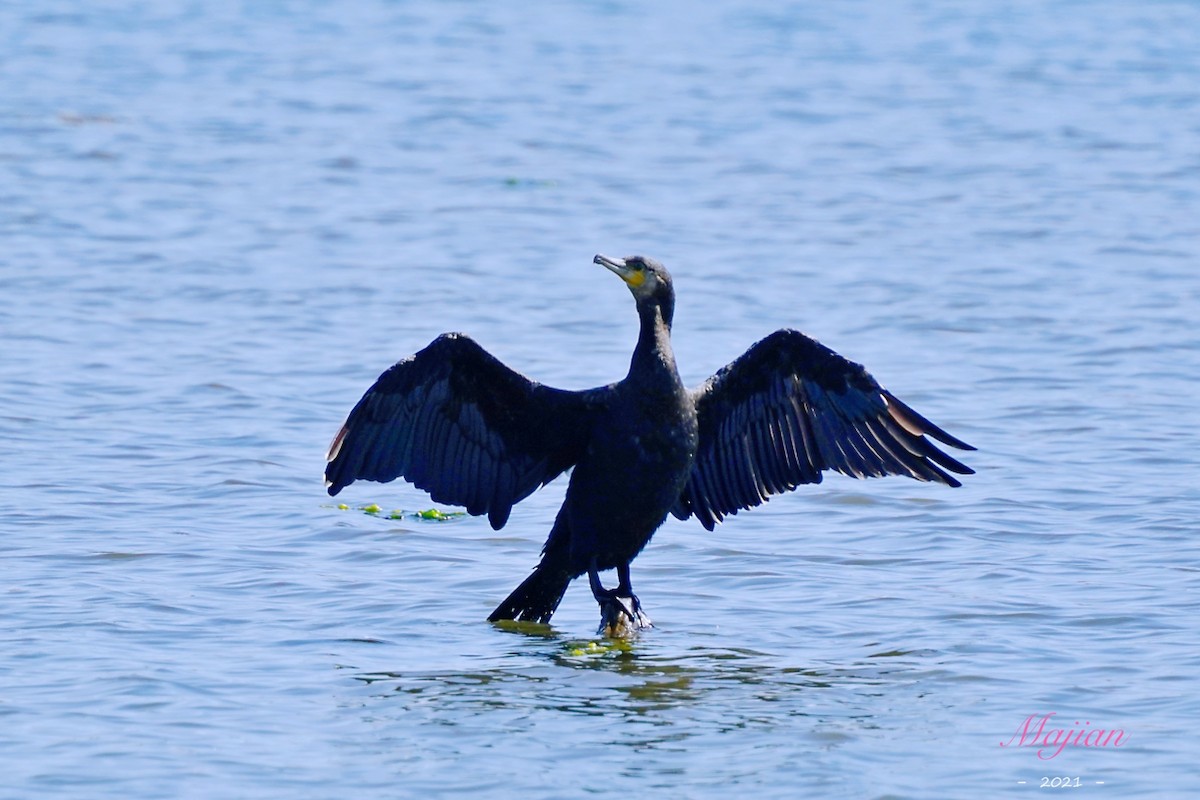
(636,462)
(455,421)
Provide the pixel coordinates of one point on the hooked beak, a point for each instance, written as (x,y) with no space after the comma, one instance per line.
(617,266)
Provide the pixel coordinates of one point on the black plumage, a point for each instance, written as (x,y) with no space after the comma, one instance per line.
(472,432)
(790,408)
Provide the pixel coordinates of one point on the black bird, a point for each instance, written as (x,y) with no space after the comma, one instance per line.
(459,424)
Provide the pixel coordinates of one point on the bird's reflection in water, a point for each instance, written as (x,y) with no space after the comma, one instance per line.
(639,678)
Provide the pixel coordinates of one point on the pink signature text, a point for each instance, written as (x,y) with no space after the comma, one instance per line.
(1051,741)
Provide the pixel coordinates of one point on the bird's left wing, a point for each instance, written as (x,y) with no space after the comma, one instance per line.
(458,423)
(790,408)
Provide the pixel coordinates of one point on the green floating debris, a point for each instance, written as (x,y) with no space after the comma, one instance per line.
(526,627)
(598,648)
(434,514)
(440,516)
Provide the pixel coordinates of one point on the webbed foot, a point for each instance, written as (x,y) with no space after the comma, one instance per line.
(621,614)
(621,617)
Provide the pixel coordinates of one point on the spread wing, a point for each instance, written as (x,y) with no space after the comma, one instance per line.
(790,408)
(459,424)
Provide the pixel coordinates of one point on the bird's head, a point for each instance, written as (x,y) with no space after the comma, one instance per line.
(647,279)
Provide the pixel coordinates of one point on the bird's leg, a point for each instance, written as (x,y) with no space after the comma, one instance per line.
(625,589)
(620,610)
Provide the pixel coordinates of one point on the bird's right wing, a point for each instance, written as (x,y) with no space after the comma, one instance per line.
(787,410)
(456,422)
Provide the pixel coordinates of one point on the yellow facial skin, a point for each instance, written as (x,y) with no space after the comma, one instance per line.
(634,275)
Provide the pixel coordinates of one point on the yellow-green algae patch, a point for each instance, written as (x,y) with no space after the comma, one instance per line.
(428,514)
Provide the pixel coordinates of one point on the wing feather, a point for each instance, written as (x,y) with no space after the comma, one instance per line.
(459,424)
(789,409)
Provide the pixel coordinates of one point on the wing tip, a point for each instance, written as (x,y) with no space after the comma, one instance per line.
(335,447)
(498,516)
(918,425)
(334,485)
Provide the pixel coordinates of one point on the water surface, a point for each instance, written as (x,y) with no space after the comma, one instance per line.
(219,226)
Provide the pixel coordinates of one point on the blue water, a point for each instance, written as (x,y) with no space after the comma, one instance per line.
(219,223)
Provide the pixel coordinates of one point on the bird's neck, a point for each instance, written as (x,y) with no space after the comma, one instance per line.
(653,355)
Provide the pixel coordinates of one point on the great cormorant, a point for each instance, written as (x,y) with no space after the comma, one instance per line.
(459,424)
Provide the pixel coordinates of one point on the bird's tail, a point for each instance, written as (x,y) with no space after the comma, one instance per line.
(538,595)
